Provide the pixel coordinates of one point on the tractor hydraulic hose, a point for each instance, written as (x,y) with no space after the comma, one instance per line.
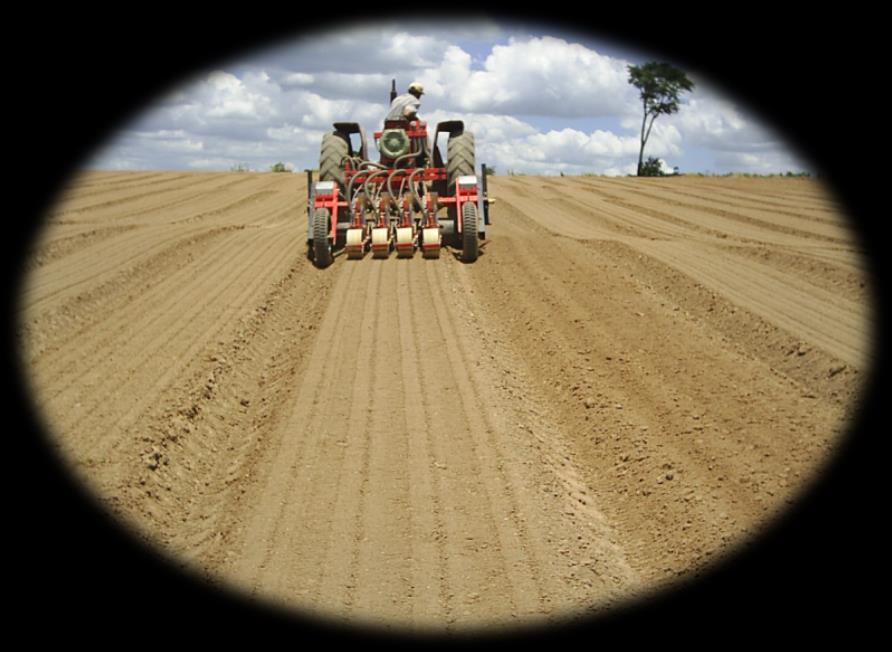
(365,184)
(403,186)
(362,165)
(350,187)
(396,164)
(390,182)
(415,196)
(410,180)
(355,162)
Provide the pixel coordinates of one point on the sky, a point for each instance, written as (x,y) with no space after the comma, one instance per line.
(538,100)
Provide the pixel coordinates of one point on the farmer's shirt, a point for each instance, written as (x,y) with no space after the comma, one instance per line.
(399,104)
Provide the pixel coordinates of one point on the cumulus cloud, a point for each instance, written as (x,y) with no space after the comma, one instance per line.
(277,105)
(567,150)
(367,49)
(716,123)
(761,163)
(223,95)
(297,79)
(315,111)
(531,76)
(217,105)
(294,135)
(485,126)
(512,144)
(544,76)
(335,85)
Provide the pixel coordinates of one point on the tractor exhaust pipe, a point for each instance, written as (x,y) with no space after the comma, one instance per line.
(392,90)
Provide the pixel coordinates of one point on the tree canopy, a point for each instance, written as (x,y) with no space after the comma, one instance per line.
(661,85)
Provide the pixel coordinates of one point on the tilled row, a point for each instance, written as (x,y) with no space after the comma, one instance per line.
(690,442)
(611,397)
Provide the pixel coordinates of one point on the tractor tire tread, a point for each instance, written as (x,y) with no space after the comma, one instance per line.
(331,158)
(321,246)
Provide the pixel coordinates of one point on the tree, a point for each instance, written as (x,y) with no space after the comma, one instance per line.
(652,167)
(660,85)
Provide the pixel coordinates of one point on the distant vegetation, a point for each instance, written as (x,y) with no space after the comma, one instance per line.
(276,167)
(748,175)
(652,167)
(788,173)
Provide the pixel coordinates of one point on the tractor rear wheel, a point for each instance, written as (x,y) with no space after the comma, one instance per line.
(331,158)
(321,244)
(459,163)
(470,243)
(459,158)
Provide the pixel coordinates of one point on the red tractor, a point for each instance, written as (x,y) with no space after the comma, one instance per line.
(360,205)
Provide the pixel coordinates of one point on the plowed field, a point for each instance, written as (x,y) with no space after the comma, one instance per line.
(634,378)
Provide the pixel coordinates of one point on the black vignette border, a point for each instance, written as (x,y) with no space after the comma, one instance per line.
(809,72)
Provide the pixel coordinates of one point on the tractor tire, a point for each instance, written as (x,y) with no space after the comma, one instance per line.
(459,162)
(459,158)
(331,158)
(321,245)
(470,242)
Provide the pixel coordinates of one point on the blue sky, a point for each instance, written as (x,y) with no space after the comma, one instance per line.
(539,100)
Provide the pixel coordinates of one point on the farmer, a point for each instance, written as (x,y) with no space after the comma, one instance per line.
(405,106)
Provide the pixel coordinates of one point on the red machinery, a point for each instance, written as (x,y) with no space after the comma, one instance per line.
(392,204)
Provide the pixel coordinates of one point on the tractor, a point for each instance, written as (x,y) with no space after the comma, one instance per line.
(394,204)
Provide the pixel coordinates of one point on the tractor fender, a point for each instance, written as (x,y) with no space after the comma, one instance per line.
(452,127)
(348,128)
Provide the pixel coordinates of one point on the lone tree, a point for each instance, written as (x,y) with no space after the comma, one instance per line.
(660,85)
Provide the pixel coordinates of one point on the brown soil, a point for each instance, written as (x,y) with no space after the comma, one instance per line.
(635,377)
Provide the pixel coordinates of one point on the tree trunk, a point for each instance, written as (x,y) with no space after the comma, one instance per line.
(649,127)
(644,137)
(641,150)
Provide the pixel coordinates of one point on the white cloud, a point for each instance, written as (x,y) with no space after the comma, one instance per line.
(708,120)
(297,79)
(223,95)
(511,144)
(217,163)
(358,87)
(760,163)
(533,76)
(536,76)
(484,126)
(316,111)
(277,105)
(296,136)
(367,49)
(115,163)
(630,168)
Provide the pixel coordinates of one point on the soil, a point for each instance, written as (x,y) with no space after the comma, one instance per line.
(633,380)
